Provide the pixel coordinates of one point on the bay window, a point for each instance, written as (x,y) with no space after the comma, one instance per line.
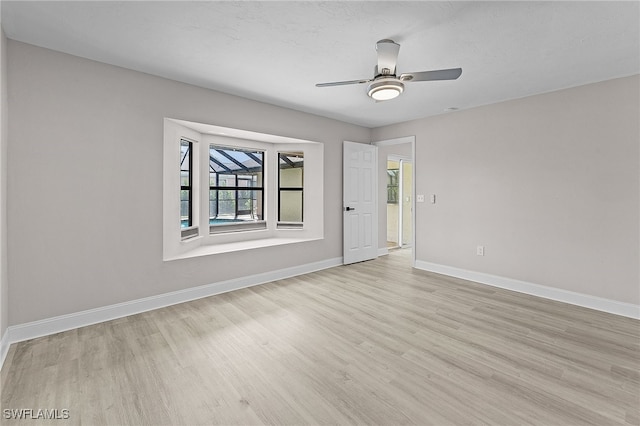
(230,190)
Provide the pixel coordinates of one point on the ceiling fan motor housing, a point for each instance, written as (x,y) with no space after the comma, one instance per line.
(385,88)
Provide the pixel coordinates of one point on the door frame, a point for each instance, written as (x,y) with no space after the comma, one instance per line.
(399,141)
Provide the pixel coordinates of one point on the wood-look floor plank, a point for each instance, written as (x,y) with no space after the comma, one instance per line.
(370,343)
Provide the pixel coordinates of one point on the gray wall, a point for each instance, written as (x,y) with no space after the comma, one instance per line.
(4,286)
(85,188)
(549,184)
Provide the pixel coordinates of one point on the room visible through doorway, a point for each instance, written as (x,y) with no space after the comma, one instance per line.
(399,202)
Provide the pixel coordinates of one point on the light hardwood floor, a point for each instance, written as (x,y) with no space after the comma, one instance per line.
(371,343)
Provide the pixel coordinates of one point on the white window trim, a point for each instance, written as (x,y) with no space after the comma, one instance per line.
(205,243)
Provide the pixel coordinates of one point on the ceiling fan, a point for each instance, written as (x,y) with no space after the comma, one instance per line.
(386,84)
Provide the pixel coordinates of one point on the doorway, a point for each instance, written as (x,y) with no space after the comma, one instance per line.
(399,202)
(400,235)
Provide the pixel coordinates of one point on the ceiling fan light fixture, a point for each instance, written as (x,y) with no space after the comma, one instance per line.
(385,89)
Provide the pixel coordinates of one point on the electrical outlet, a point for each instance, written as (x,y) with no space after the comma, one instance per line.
(480,250)
(420,198)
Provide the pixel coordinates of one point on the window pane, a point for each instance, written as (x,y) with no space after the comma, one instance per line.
(184,212)
(290,206)
(186,201)
(235,185)
(235,160)
(226,204)
(213,203)
(184,178)
(258,197)
(184,209)
(185,150)
(239,205)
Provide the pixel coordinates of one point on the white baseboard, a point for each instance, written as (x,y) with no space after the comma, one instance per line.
(598,303)
(4,347)
(45,327)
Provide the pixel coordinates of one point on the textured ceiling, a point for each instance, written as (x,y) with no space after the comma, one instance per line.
(275,52)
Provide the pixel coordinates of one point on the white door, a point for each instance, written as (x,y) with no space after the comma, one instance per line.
(360,202)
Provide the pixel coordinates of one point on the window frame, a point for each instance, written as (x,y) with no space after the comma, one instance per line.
(280,222)
(244,225)
(192,229)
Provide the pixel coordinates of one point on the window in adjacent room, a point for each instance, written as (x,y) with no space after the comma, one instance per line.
(236,191)
(187,227)
(392,185)
(290,189)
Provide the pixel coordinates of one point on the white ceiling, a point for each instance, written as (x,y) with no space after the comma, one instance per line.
(276,51)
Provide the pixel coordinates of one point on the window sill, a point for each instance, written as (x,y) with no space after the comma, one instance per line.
(207,250)
(290,225)
(238,227)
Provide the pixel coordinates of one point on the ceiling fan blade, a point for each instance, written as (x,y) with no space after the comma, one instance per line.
(343,83)
(450,74)
(387,56)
